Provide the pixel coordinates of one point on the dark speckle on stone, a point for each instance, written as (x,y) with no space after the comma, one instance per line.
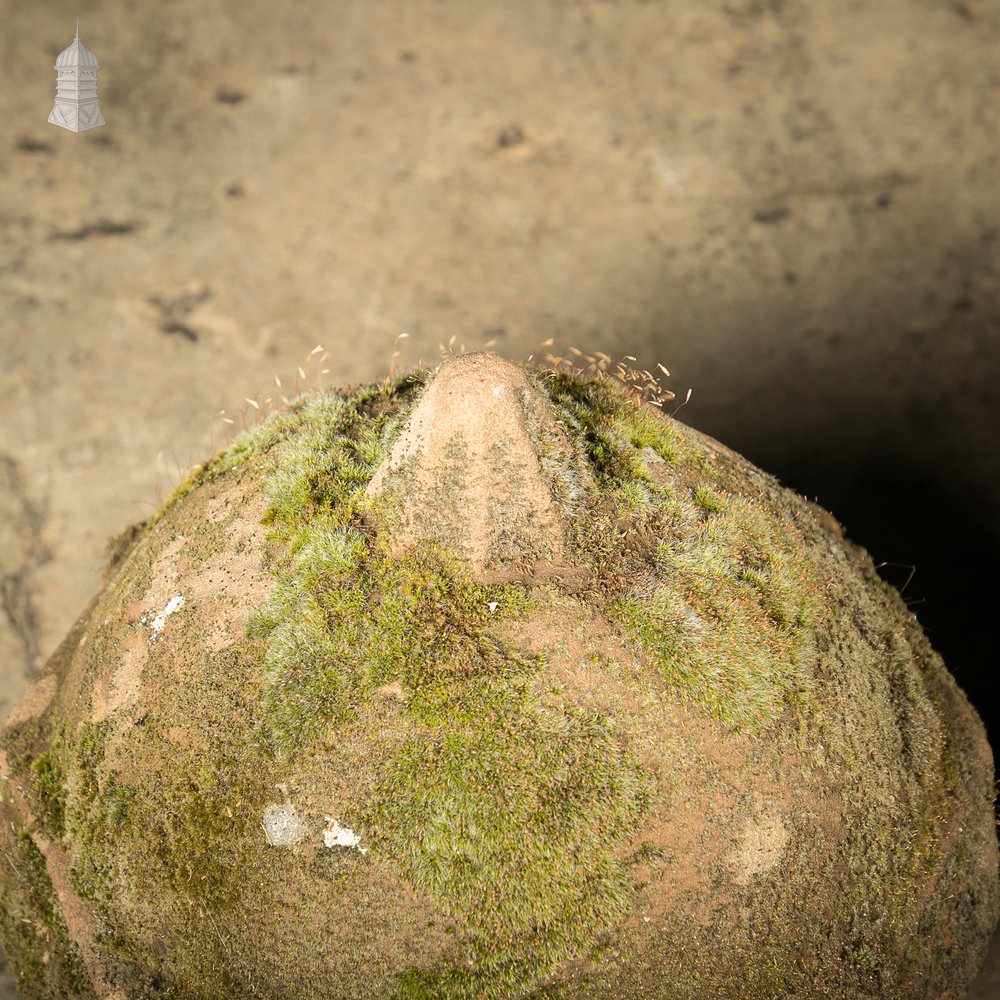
(408,56)
(771,215)
(963,304)
(176,326)
(174,311)
(226,95)
(29,145)
(512,135)
(102,227)
(235,190)
(791,278)
(884,200)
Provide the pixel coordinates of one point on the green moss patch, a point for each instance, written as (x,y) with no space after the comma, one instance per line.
(715,586)
(33,934)
(28,749)
(347,619)
(92,807)
(613,428)
(46,793)
(64,791)
(511,814)
(282,425)
(730,624)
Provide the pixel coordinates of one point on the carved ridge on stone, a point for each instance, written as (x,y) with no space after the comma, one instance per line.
(465,471)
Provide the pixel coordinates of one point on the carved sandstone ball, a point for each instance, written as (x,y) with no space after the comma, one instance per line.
(492,682)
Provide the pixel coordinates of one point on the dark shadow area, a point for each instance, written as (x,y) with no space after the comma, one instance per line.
(928,539)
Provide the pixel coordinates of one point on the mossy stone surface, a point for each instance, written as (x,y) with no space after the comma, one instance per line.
(707,753)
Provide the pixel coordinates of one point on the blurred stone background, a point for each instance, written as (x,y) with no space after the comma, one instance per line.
(793,204)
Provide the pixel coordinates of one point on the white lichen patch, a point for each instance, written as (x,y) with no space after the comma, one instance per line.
(341,836)
(157,623)
(283,826)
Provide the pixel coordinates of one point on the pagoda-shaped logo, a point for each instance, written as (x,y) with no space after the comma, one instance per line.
(76,106)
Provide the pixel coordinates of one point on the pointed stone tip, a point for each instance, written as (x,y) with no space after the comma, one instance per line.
(467,471)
